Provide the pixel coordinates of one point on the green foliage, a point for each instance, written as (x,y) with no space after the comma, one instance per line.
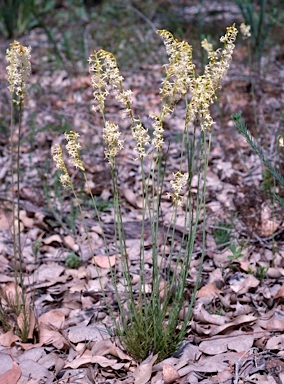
(36,247)
(222,234)
(236,252)
(268,181)
(259,273)
(278,19)
(125,28)
(18,16)
(243,129)
(147,331)
(72,260)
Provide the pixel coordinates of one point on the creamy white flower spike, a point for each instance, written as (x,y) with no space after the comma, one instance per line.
(19,69)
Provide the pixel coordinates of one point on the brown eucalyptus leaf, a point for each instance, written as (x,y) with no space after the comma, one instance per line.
(83,333)
(52,239)
(132,198)
(243,319)
(11,376)
(209,290)
(274,323)
(241,282)
(280,293)
(5,220)
(27,221)
(205,317)
(170,374)
(275,343)
(104,261)
(9,338)
(143,372)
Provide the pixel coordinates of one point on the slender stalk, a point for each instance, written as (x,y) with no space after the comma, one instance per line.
(13,185)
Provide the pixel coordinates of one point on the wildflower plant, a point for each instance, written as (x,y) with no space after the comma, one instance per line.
(150,322)
(18,70)
(256,26)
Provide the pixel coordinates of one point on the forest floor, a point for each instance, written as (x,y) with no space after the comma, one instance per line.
(236,331)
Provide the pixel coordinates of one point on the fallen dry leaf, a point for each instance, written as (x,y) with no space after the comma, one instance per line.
(70,243)
(49,322)
(236,341)
(7,339)
(170,374)
(49,272)
(274,323)
(49,336)
(87,358)
(52,239)
(240,342)
(12,375)
(132,198)
(4,220)
(86,333)
(200,314)
(209,290)
(217,363)
(142,374)
(104,261)
(280,293)
(269,223)
(27,221)
(275,343)
(241,282)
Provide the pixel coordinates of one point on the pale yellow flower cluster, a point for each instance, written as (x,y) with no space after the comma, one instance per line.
(60,164)
(178,182)
(158,133)
(181,77)
(180,71)
(245,31)
(107,75)
(111,136)
(72,148)
(205,86)
(140,135)
(124,97)
(19,69)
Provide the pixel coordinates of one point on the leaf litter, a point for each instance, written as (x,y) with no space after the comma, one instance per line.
(235,335)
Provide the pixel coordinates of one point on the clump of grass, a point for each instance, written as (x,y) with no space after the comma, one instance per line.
(72,260)
(260,272)
(16,16)
(222,234)
(150,322)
